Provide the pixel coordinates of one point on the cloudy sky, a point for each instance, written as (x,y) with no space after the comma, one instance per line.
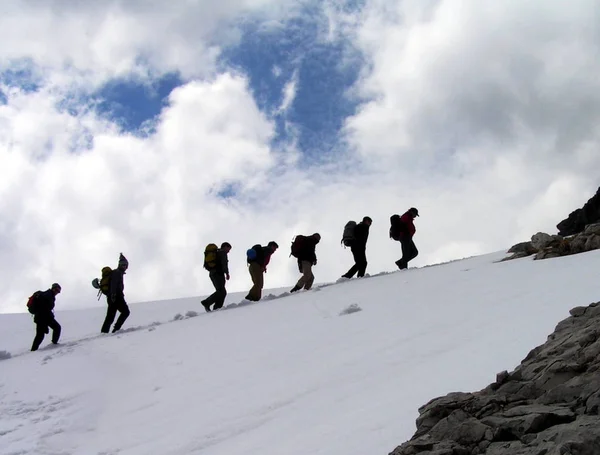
(153,128)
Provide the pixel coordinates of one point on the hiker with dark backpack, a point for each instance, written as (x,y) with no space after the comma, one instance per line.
(403,229)
(113,287)
(217,264)
(41,305)
(303,248)
(258,258)
(355,236)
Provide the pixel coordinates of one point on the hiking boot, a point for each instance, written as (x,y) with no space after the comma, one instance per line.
(206,306)
(294,289)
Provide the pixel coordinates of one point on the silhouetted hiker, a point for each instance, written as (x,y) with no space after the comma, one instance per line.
(303,248)
(356,238)
(258,258)
(41,305)
(403,229)
(217,264)
(115,298)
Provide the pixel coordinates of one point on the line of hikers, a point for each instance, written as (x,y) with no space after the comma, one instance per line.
(355,236)
(216,261)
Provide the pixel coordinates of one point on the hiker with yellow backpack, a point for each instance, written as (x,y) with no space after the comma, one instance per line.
(112,286)
(217,264)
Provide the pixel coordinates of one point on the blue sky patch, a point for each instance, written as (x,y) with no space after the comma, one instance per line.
(272,57)
(22,76)
(130,103)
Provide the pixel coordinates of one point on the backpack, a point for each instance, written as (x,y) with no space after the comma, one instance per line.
(256,254)
(251,254)
(297,245)
(210,256)
(103,284)
(348,235)
(31,302)
(395,227)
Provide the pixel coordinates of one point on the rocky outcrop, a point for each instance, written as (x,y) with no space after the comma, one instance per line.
(580,218)
(549,405)
(545,246)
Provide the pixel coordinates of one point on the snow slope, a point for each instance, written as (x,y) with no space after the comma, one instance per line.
(288,376)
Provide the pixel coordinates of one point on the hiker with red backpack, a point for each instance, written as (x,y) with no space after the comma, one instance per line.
(303,248)
(355,236)
(216,262)
(258,258)
(115,297)
(41,305)
(402,230)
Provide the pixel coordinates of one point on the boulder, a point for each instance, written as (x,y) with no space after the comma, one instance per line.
(524,247)
(592,229)
(541,240)
(592,242)
(580,218)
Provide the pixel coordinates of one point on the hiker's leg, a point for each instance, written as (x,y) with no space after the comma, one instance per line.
(111,312)
(40,333)
(309,278)
(124,310)
(219,282)
(360,257)
(257,281)
(55,326)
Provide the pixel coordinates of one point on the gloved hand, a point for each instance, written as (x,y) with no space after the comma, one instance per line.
(227,276)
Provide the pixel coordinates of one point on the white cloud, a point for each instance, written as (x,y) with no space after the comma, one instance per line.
(117,38)
(483,116)
(289,93)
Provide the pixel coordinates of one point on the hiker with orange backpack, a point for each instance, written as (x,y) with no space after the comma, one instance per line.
(216,262)
(41,305)
(303,248)
(115,297)
(403,229)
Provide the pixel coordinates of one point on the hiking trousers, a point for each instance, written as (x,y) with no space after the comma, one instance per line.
(217,297)
(409,252)
(257,275)
(118,305)
(307,278)
(43,326)
(360,262)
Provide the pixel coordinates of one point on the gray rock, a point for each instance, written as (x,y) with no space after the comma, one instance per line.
(592,242)
(577,244)
(577,311)
(592,229)
(525,248)
(541,240)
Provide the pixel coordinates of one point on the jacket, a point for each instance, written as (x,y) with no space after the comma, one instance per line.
(308,250)
(117,286)
(222,267)
(409,227)
(44,303)
(263,256)
(361,234)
